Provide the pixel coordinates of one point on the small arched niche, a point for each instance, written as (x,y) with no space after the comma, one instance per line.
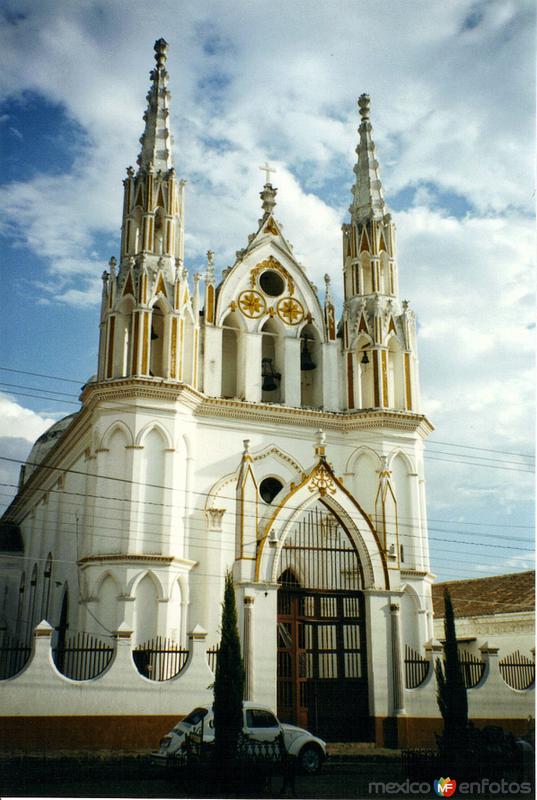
(123,336)
(135,231)
(367,274)
(271,362)
(159,235)
(230,355)
(311,390)
(396,383)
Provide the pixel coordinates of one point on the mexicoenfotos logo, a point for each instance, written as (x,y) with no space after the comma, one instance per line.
(445,787)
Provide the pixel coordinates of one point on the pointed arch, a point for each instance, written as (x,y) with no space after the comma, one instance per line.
(123,336)
(135,581)
(311,380)
(117,425)
(155,442)
(272,360)
(136,236)
(108,592)
(411,606)
(232,355)
(396,377)
(159,236)
(405,457)
(158,358)
(156,426)
(147,591)
(364,364)
(322,484)
(365,464)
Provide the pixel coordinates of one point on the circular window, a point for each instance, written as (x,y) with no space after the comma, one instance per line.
(269,488)
(272,283)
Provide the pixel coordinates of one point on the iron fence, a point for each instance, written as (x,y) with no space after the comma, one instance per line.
(160,658)
(212,658)
(517,670)
(416,668)
(472,669)
(82,657)
(13,656)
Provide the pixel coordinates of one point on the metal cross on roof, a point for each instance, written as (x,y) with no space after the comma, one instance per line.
(267,169)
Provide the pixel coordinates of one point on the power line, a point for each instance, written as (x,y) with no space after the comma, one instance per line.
(82,383)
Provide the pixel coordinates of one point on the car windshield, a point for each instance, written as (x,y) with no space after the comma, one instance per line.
(195,716)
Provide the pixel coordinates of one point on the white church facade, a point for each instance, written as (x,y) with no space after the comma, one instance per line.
(233,423)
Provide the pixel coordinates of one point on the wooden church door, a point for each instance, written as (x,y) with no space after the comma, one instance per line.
(322,665)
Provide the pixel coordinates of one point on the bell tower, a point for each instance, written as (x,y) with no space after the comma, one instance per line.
(139,331)
(378,329)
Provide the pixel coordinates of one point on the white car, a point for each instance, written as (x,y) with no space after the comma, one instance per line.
(260,724)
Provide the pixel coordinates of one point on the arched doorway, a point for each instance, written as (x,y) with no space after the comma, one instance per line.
(322,663)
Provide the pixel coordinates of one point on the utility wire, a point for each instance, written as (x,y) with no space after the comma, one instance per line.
(82,383)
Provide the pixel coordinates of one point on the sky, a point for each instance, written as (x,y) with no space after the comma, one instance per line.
(452,93)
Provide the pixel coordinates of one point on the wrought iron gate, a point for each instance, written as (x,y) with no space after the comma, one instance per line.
(322,666)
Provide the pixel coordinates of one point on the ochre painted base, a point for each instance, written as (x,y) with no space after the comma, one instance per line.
(124,733)
(422,731)
(50,734)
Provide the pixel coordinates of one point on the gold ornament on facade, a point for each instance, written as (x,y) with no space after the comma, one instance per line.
(322,481)
(271,227)
(272,263)
(290,311)
(252,304)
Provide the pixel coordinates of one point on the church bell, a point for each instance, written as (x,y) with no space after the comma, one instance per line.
(306,361)
(269,376)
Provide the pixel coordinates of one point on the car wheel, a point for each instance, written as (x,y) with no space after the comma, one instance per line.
(310,759)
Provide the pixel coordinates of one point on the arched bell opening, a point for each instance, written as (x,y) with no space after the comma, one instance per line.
(322,663)
(157,363)
(272,359)
(230,355)
(364,360)
(311,393)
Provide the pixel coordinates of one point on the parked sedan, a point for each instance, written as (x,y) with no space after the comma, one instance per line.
(260,724)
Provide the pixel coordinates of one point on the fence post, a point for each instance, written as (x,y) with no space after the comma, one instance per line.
(42,645)
(490,657)
(123,648)
(197,637)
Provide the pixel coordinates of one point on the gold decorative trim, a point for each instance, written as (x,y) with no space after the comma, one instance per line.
(290,311)
(252,304)
(272,263)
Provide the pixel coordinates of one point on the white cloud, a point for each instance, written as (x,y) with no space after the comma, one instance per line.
(19,422)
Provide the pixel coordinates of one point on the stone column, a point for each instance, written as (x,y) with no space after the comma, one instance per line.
(247,648)
(397,661)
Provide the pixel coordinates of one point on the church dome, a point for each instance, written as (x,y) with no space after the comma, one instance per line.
(46,442)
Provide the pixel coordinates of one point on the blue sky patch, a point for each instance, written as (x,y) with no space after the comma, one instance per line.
(48,148)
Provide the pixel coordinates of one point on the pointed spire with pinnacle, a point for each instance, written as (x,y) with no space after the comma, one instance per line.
(368,201)
(156,139)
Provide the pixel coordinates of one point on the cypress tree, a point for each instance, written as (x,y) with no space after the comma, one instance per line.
(451,691)
(229,683)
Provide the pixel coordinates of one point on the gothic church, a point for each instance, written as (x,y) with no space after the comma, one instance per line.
(235,423)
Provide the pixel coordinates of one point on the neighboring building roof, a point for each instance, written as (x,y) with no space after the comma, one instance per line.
(497,594)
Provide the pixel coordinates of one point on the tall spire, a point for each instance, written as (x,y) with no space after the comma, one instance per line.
(156,149)
(368,200)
